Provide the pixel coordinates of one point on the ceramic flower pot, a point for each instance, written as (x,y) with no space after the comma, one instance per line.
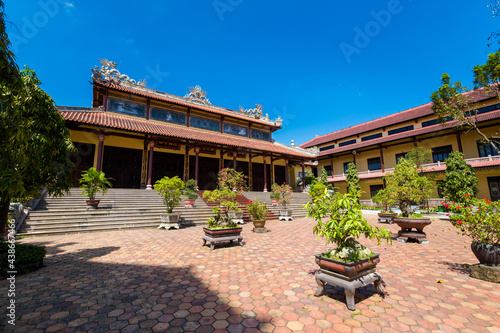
(274,202)
(487,254)
(259,223)
(189,203)
(92,204)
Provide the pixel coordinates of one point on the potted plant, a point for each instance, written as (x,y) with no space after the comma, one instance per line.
(171,190)
(190,193)
(258,213)
(232,183)
(405,186)
(349,262)
(93,181)
(387,201)
(479,219)
(285,197)
(274,196)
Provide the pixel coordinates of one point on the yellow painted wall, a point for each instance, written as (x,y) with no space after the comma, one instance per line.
(390,153)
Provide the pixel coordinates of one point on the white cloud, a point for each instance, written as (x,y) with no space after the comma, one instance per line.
(69,4)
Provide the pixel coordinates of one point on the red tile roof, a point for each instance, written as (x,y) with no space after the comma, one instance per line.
(109,120)
(179,101)
(418,131)
(392,119)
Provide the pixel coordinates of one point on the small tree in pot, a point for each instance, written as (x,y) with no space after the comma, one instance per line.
(171,190)
(190,193)
(285,197)
(387,201)
(258,213)
(93,181)
(232,183)
(274,196)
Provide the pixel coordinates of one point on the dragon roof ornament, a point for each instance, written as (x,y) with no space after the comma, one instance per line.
(197,95)
(108,72)
(313,151)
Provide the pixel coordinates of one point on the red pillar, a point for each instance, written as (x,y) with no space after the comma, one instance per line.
(150,165)
(303,178)
(196,164)
(265,174)
(105,101)
(234,160)
(287,173)
(459,143)
(331,166)
(99,152)
(382,158)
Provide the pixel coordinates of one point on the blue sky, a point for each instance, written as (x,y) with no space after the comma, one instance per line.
(321,66)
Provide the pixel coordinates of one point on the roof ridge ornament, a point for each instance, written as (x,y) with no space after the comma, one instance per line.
(108,72)
(197,95)
(257,112)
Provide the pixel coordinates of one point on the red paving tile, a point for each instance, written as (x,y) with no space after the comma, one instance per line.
(165,281)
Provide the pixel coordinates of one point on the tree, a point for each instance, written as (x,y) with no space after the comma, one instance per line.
(34,141)
(406,186)
(460,179)
(420,156)
(323,179)
(352,178)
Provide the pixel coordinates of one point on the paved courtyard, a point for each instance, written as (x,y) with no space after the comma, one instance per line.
(165,281)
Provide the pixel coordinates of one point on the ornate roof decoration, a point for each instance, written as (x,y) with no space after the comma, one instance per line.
(109,72)
(197,95)
(313,151)
(257,112)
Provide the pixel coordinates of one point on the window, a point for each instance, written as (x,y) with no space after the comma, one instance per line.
(346,166)
(441,153)
(327,147)
(328,169)
(400,156)
(401,129)
(374,189)
(374,164)
(370,137)
(236,129)
(126,107)
(486,109)
(212,125)
(261,135)
(435,121)
(168,116)
(350,142)
(485,149)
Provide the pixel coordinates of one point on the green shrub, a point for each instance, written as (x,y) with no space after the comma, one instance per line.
(25,254)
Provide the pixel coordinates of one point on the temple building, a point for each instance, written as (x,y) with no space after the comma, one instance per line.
(376,146)
(138,135)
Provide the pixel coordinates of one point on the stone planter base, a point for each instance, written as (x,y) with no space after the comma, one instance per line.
(169,221)
(236,217)
(285,215)
(486,273)
(260,230)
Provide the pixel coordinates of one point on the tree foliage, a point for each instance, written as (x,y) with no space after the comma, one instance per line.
(406,186)
(93,181)
(171,190)
(352,178)
(460,179)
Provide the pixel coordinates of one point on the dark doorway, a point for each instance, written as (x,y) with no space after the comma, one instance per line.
(166,164)
(240,166)
(124,165)
(494,184)
(83,160)
(208,169)
(279,174)
(258,176)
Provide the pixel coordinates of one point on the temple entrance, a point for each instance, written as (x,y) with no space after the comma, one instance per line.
(279,174)
(124,165)
(167,164)
(240,167)
(208,169)
(83,160)
(258,177)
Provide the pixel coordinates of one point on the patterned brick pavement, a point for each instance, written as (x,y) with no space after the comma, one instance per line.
(165,281)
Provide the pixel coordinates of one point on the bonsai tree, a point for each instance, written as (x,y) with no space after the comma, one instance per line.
(274,194)
(190,189)
(340,221)
(93,181)
(386,200)
(460,179)
(284,194)
(352,178)
(406,185)
(258,210)
(171,190)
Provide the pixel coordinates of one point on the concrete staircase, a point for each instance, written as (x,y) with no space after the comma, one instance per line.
(127,209)
(118,209)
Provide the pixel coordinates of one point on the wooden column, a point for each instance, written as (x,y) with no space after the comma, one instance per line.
(273,180)
(186,164)
(234,159)
(265,174)
(303,178)
(188,117)
(150,165)
(354,157)
(221,159)
(414,142)
(222,124)
(105,101)
(287,173)
(250,130)
(250,172)
(100,152)
(331,166)
(459,143)
(148,110)
(382,158)
(196,164)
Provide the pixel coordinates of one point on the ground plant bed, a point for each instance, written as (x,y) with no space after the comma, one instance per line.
(214,236)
